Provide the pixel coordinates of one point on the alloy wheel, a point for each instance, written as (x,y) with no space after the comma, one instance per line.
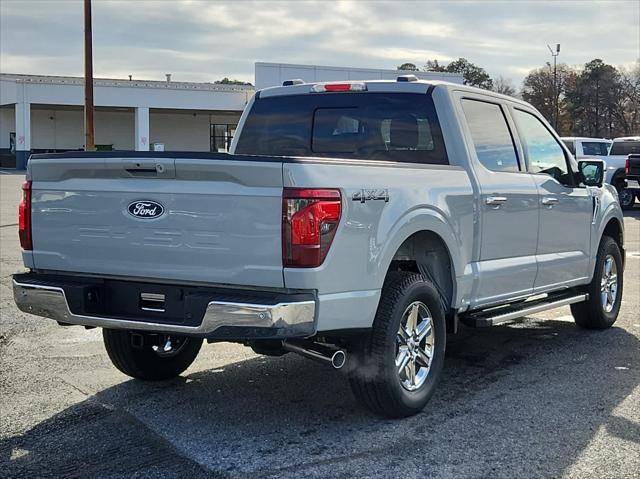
(609,284)
(414,346)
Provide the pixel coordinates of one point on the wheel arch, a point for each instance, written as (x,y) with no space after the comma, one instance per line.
(426,244)
(614,229)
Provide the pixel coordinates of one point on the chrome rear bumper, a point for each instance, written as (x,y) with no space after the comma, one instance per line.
(239,320)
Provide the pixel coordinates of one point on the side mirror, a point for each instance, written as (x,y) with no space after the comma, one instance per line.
(591,172)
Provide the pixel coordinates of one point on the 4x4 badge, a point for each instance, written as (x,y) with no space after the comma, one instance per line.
(368,195)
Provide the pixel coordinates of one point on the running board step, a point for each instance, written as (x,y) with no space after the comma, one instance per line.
(500,315)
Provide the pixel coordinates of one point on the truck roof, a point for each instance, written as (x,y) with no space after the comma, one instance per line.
(585,138)
(411,86)
(627,138)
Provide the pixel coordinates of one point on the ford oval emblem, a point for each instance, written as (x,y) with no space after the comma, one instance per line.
(145,209)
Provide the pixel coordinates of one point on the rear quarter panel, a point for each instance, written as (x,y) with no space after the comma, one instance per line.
(421,197)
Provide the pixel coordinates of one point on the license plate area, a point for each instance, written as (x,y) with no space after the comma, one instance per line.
(137,301)
(154,302)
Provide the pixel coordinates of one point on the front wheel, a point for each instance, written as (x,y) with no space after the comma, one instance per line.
(150,356)
(399,364)
(601,310)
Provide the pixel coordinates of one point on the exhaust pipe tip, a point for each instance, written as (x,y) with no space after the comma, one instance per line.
(319,352)
(338,359)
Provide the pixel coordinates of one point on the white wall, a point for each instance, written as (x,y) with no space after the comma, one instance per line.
(185,131)
(115,128)
(273,74)
(179,131)
(57,121)
(8,91)
(122,93)
(64,129)
(7,124)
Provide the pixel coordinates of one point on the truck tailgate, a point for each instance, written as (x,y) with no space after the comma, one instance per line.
(212,220)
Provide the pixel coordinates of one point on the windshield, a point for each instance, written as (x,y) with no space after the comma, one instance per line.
(369,126)
(625,147)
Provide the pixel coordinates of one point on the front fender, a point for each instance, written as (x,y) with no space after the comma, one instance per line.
(609,210)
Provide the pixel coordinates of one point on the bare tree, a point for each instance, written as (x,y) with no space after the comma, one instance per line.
(630,79)
(504,85)
(538,90)
(473,74)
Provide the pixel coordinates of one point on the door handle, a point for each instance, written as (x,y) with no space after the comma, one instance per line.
(496,200)
(549,201)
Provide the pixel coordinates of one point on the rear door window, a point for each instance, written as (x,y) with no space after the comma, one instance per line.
(491,136)
(596,148)
(400,127)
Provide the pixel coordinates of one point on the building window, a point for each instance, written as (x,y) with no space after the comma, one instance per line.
(221,136)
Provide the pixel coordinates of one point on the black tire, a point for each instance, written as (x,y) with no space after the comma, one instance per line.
(627,198)
(591,314)
(373,375)
(142,362)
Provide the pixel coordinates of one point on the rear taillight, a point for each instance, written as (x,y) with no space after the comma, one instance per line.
(627,167)
(310,219)
(24,217)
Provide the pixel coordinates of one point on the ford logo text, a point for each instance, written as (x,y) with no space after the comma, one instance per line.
(145,209)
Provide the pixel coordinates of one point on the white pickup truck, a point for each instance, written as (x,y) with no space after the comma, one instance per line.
(355,223)
(585,147)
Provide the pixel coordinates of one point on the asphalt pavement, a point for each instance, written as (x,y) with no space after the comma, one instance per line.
(535,398)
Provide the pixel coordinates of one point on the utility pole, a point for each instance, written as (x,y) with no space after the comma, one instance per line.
(89,141)
(555,85)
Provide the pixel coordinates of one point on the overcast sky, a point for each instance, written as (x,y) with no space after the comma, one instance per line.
(208,40)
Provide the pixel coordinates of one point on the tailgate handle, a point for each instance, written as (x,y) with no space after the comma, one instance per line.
(149,168)
(145,169)
(142,170)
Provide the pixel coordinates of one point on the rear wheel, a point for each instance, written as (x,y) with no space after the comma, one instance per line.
(398,366)
(600,311)
(150,356)
(627,198)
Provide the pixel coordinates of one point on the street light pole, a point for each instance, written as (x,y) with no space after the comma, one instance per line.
(89,141)
(556,113)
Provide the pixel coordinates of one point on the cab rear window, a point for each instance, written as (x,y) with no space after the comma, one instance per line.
(399,127)
(625,147)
